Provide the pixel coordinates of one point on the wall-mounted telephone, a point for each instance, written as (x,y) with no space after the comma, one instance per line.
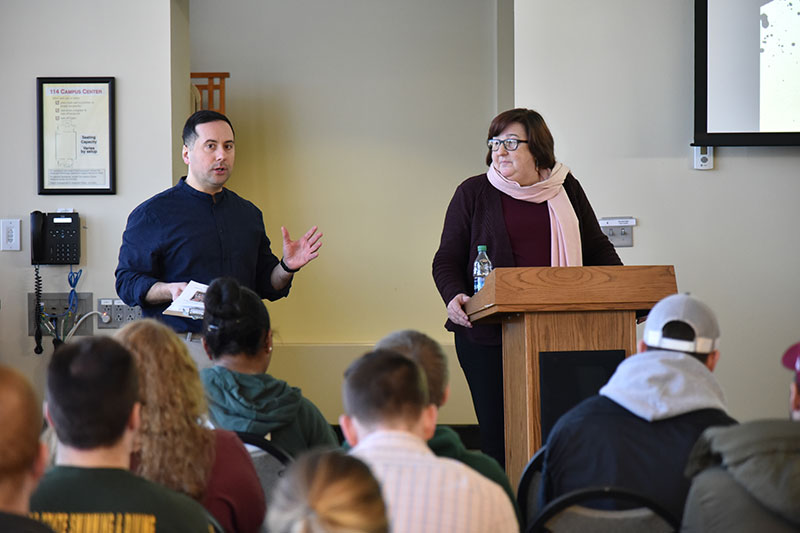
(55,238)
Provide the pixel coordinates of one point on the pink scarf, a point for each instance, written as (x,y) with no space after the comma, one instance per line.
(565,235)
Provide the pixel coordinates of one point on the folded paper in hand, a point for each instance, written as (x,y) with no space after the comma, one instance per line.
(189,304)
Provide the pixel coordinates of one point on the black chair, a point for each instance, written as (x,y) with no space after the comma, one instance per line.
(261,442)
(270,462)
(566,514)
(528,488)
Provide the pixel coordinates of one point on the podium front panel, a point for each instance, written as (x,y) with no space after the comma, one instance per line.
(525,335)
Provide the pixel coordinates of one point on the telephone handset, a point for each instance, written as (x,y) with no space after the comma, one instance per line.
(55,238)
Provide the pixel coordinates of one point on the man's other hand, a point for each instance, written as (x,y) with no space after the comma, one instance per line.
(161,292)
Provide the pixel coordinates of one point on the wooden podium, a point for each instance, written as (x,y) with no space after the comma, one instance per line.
(559,309)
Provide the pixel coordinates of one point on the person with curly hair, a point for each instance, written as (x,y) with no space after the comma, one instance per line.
(242,397)
(174,448)
(328,492)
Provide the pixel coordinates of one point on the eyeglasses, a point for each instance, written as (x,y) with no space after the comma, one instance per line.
(510,144)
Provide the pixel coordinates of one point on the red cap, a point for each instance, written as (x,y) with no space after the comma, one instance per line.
(791,359)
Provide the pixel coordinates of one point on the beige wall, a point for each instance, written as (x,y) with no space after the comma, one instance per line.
(614,80)
(180,47)
(89,38)
(362,119)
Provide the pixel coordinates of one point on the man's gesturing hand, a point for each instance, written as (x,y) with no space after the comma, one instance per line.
(296,254)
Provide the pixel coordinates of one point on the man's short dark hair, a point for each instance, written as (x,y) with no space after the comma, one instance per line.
(680,331)
(384,386)
(427,353)
(201,117)
(92,387)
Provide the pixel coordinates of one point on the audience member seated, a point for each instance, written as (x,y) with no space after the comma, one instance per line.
(638,432)
(427,353)
(325,491)
(388,420)
(22,456)
(242,396)
(173,449)
(748,476)
(92,392)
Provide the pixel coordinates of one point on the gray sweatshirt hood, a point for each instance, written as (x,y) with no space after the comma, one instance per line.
(763,456)
(655,385)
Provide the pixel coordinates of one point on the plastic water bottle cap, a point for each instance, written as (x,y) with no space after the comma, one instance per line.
(481,248)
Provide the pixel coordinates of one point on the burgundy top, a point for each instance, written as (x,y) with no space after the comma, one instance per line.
(528,226)
(475,216)
(234,495)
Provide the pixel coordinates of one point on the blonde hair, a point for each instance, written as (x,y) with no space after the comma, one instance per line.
(176,451)
(327,492)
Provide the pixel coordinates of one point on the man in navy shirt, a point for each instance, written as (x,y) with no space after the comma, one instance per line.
(199,230)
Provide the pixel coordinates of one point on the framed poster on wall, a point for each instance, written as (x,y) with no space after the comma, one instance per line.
(76,135)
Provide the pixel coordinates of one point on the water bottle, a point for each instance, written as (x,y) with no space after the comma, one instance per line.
(481,268)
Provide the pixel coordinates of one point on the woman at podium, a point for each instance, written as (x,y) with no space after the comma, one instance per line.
(529,211)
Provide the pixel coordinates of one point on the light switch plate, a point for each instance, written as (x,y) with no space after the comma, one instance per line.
(9,234)
(619,230)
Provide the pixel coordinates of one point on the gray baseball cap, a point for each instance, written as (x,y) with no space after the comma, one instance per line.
(690,311)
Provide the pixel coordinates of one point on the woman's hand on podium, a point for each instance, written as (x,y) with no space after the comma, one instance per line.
(455,310)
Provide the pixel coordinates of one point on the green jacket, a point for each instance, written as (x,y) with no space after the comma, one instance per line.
(446,443)
(264,405)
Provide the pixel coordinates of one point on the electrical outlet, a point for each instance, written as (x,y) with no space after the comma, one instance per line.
(115,314)
(132,314)
(118,312)
(56,304)
(105,307)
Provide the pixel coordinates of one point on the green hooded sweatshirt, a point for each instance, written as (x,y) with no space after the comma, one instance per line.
(263,405)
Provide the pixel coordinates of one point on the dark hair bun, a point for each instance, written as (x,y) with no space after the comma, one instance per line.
(235,320)
(222,299)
